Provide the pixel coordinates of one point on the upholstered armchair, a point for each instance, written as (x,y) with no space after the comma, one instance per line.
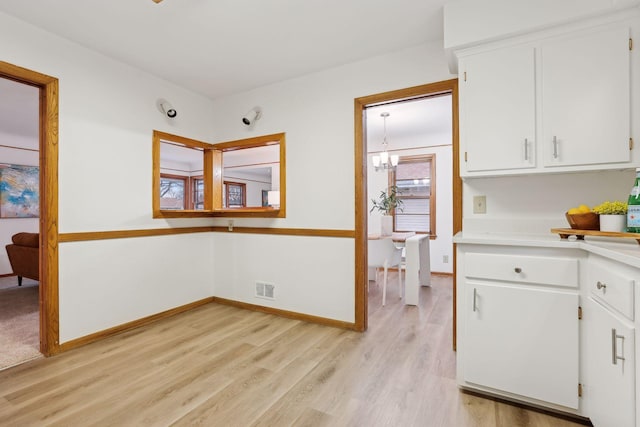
(24,256)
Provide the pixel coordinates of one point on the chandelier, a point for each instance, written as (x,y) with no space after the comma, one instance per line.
(383,161)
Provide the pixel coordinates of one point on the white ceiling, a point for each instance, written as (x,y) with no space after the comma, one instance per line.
(413,118)
(228,46)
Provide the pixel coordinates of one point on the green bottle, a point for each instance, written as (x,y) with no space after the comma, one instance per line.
(633,206)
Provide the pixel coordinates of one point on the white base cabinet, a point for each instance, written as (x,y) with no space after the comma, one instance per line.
(609,389)
(551,327)
(522,340)
(518,331)
(608,334)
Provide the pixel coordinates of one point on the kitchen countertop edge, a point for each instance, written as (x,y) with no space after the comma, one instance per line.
(626,251)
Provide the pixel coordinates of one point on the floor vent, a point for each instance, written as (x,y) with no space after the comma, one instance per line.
(265,290)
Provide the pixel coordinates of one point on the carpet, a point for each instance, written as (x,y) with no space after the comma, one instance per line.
(9,282)
(19,324)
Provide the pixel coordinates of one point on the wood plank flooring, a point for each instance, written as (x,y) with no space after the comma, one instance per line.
(222,366)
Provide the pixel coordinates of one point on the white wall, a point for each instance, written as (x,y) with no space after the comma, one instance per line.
(111,282)
(535,203)
(316,112)
(313,276)
(11,226)
(468,22)
(107,114)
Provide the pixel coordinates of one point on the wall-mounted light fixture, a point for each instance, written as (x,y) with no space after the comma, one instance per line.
(166,108)
(252,116)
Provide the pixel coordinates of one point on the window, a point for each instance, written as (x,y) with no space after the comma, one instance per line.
(198,192)
(190,177)
(415,179)
(235,195)
(172,192)
(181,192)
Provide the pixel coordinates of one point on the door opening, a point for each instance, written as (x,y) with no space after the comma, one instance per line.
(361,168)
(48,224)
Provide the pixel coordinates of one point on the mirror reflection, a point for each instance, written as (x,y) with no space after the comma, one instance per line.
(249,175)
(181,177)
(244,178)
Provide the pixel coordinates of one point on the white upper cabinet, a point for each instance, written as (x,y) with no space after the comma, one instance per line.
(498,109)
(585,99)
(553,104)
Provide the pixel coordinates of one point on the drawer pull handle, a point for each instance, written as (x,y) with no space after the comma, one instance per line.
(517,270)
(601,285)
(526,149)
(555,147)
(614,347)
(475,294)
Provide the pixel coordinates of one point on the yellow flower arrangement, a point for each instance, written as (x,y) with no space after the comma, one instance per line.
(611,208)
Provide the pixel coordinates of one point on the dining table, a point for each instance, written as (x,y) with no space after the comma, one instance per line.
(416,262)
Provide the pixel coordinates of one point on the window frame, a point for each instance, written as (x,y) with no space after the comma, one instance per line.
(193,189)
(186,188)
(419,158)
(243,190)
(213,177)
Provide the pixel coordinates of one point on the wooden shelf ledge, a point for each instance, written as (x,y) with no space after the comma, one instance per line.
(565,233)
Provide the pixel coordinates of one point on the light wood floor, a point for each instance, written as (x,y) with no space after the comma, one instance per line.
(222,366)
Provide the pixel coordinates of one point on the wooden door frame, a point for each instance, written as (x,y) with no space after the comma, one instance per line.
(446,86)
(48,155)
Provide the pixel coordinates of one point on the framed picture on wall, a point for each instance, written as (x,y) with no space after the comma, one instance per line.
(19,191)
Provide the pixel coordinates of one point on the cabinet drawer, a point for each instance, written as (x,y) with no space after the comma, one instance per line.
(554,271)
(608,284)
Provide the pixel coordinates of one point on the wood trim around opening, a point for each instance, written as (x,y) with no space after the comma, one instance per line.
(48,145)
(360,171)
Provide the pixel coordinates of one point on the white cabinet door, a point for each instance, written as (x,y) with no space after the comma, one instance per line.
(609,390)
(586,99)
(522,341)
(497,103)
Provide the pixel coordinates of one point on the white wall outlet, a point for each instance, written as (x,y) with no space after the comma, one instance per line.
(445,259)
(479,204)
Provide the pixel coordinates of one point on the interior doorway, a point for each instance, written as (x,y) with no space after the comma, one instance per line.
(19,224)
(48,202)
(361,168)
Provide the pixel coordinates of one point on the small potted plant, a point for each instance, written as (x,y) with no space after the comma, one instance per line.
(613,215)
(386,203)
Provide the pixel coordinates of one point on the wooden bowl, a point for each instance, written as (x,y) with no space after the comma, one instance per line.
(584,221)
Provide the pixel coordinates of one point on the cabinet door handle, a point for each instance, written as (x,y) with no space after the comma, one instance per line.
(614,347)
(555,147)
(517,270)
(526,149)
(475,295)
(601,285)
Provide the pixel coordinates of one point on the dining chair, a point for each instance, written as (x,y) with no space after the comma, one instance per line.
(383,253)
